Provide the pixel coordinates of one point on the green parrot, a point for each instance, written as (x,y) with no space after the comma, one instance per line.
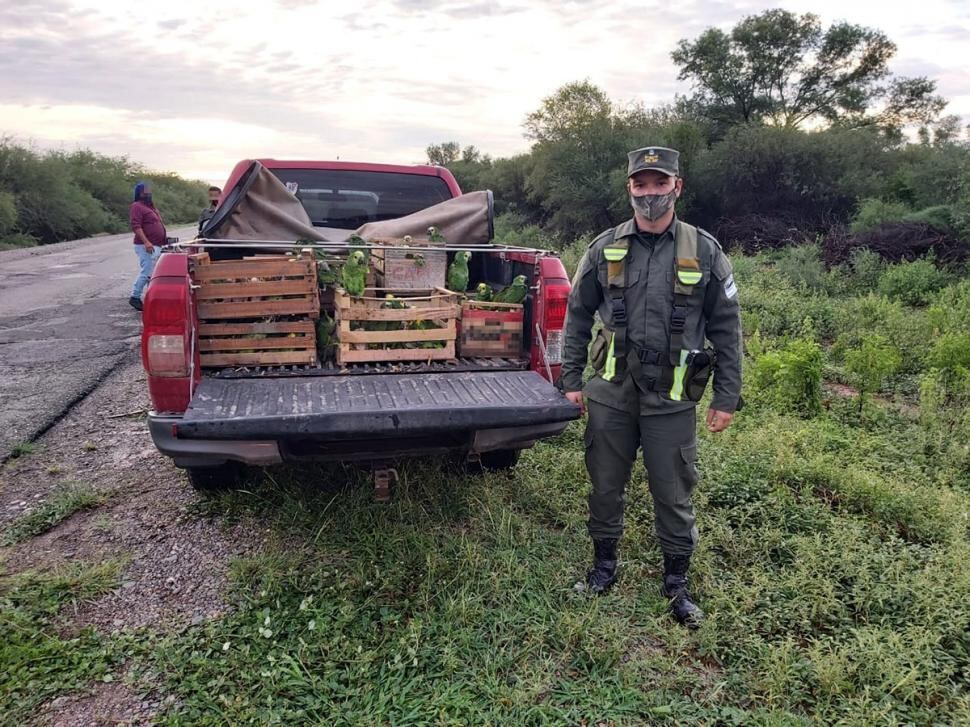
(359,243)
(435,236)
(483,292)
(515,293)
(325,329)
(458,272)
(353,274)
(325,274)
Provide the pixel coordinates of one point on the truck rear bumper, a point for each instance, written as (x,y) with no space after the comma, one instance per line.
(208,452)
(266,421)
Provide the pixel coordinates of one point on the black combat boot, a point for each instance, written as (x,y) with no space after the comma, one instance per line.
(135,303)
(682,607)
(603,573)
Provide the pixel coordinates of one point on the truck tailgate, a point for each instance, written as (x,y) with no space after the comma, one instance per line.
(338,407)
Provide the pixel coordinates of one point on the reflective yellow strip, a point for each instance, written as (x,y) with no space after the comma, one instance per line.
(689,277)
(677,390)
(614,254)
(609,370)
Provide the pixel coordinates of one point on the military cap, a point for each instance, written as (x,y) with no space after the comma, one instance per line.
(658,158)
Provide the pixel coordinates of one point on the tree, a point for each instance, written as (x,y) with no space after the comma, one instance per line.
(783,69)
(443,154)
(569,113)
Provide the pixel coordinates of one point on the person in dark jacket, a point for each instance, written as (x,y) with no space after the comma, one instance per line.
(214,194)
(662,288)
(146,223)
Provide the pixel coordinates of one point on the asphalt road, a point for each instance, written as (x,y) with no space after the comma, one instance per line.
(65,323)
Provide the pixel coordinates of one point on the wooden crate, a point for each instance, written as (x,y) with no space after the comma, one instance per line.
(410,269)
(354,345)
(258,287)
(273,343)
(491,330)
(280,289)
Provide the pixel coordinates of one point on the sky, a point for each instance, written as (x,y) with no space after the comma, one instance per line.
(193,87)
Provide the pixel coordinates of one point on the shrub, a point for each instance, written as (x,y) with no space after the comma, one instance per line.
(803,266)
(874,212)
(913,283)
(871,363)
(866,268)
(790,379)
(907,328)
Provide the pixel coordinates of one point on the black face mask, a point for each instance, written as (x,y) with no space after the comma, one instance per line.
(653,206)
(147,198)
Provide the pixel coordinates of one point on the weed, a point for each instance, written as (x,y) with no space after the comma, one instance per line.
(61,504)
(22,449)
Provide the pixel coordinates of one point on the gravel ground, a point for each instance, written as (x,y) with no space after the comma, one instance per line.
(177,560)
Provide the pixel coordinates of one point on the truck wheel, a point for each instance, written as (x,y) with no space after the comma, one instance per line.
(226,476)
(499,459)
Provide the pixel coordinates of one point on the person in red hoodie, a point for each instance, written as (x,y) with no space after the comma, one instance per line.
(146,223)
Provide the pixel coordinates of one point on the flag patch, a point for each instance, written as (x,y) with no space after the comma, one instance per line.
(730,289)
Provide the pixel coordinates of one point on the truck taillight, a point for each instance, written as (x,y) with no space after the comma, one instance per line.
(166,343)
(555,298)
(166,355)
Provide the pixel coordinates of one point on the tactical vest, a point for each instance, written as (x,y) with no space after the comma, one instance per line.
(687,274)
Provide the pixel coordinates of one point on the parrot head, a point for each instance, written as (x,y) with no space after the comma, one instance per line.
(482,288)
(356,239)
(358,257)
(463,256)
(432,231)
(407,239)
(519,280)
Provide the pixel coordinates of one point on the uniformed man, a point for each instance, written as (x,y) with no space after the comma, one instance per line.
(662,289)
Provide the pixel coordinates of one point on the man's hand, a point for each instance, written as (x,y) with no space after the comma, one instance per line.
(576,397)
(149,248)
(718,421)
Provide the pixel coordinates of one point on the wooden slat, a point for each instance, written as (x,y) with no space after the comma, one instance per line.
(249,289)
(268,343)
(274,358)
(243,329)
(402,314)
(296,267)
(434,334)
(404,354)
(492,306)
(259,309)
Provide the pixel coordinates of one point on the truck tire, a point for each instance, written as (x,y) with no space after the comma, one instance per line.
(499,460)
(226,476)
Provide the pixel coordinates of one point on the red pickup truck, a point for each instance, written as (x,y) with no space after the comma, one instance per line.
(211,422)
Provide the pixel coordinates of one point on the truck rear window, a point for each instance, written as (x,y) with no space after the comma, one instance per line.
(346,199)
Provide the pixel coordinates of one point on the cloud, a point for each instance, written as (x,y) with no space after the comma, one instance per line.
(382,80)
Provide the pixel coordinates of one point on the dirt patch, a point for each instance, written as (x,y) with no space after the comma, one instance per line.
(177,563)
(104,704)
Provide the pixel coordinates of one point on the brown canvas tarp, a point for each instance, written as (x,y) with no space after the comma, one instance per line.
(268,211)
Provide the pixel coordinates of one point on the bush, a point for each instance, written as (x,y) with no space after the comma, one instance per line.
(908,329)
(873,212)
(57,196)
(790,379)
(803,266)
(865,267)
(16,240)
(870,364)
(913,283)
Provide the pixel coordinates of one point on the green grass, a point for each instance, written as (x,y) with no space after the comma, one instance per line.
(834,565)
(61,504)
(22,449)
(38,662)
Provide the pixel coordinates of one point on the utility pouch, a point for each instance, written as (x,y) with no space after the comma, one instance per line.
(598,351)
(700,366)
